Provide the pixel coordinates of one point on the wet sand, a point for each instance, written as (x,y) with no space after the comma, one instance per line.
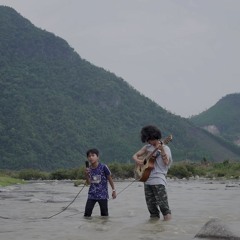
(37,210)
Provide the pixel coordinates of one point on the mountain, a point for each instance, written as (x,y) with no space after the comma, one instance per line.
(222,119)
(55,105)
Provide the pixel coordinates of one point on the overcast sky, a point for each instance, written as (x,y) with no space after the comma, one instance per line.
(182,54)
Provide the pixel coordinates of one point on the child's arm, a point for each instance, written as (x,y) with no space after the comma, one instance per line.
(114,194)
(138,154)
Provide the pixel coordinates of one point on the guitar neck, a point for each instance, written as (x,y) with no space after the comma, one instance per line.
(165,141)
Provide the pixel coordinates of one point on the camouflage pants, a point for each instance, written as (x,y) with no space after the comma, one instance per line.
(156,197)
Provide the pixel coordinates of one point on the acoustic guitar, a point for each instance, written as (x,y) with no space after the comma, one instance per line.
(142,172)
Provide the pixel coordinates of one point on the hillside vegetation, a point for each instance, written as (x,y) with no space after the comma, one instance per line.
(222,119)
(55,105)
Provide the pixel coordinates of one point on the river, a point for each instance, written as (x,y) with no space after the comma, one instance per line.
(53,210)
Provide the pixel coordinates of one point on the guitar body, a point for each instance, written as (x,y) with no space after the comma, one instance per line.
(142,172)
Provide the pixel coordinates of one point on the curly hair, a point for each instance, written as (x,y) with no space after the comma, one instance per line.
(150,132)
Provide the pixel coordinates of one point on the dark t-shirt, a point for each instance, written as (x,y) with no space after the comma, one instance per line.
(99,183)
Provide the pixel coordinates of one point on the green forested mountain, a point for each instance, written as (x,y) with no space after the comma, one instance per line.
(55,105)
(222,119)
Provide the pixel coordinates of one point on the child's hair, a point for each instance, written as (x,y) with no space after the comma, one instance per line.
(150,132)
(93,151)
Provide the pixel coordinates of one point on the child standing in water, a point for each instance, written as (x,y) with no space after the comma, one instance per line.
(98,175)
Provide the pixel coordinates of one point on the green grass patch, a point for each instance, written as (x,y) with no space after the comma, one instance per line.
(184,169)
(6,181)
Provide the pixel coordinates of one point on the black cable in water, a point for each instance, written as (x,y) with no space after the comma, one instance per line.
(67,205)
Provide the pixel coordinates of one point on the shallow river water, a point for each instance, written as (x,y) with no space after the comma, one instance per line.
(53,210)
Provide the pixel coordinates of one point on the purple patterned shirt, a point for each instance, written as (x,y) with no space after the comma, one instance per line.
(99,182)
